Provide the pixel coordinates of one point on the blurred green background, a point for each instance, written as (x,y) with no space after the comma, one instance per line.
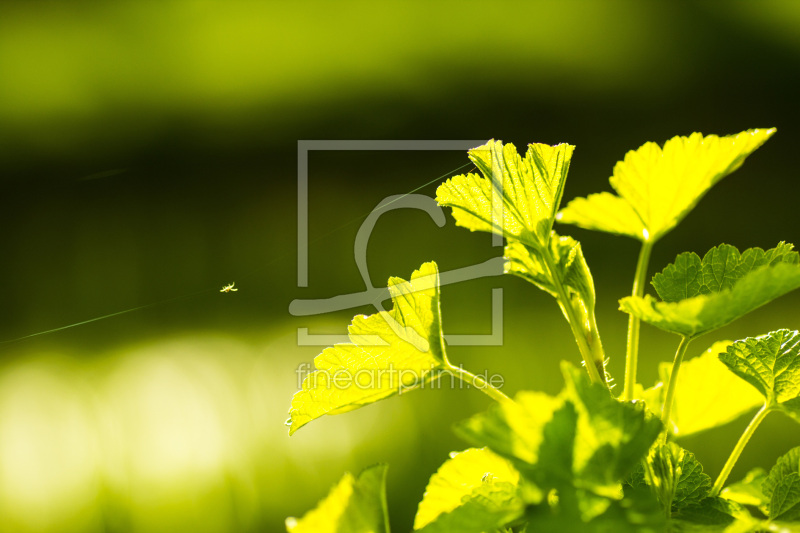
(148,156)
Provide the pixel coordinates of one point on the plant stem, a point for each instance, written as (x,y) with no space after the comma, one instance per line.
(589,359)
(479,383)
(737,450)
(673,381)
(632,350)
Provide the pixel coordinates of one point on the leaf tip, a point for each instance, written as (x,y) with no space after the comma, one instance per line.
(768,132)
(292,422)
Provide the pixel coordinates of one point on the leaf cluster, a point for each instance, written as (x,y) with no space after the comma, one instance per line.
(584,460)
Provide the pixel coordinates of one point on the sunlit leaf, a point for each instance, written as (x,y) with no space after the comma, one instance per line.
(786,466)
(611,436)
(354,505)
(707,394)
(693,484)
(388,353)
(571,271)
(489,506)
(676,476)
(784,504)
(515,197)
(576,448)
(748,490)
(580,511)
(513,430)
(603,212)
(771,364)
(720,269)
(712,515)
(779,525)
(739,289)
(518,198)
(659,186)
(475,490)
(585,437)
(571,268)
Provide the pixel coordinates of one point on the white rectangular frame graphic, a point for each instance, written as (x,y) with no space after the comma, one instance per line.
(304,338)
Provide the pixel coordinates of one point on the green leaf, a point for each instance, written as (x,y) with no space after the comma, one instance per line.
(354,505)
(517,198)
(748,490)
(612,436)
(578,510)
(513,430)
(571,268)
(585,438)
(785,501)
(771,364)
(603,212)
(576,448)
(781,487)
(714,514)
(389,352)
(707,394)
(706,311)
(658,187)
(474,491)
(720,269)
(778,525)
(676,476)
(693,484)
(489,507)
(638,512)
(571,271)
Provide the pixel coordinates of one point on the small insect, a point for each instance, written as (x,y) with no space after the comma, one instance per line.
(229,288)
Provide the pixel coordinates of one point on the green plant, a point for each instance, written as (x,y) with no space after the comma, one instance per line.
(584,460)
